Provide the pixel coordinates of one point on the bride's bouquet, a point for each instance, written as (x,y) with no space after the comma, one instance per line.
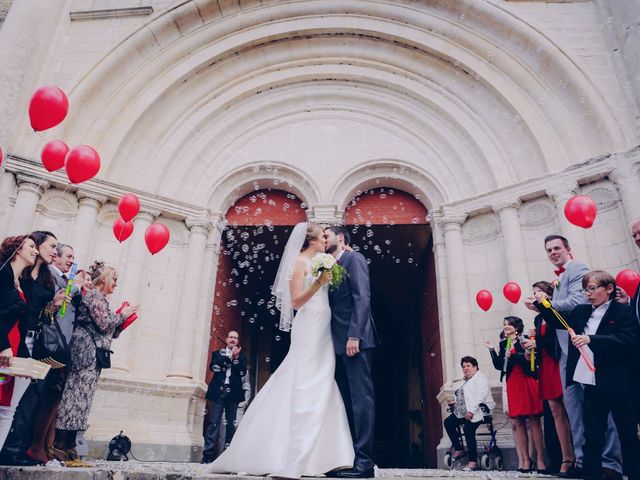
(324,261)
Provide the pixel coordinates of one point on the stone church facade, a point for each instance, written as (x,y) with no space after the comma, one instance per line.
(491,113)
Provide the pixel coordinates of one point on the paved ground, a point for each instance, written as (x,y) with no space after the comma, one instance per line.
(192,471)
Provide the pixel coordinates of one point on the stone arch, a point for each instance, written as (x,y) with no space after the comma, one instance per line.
(259,176)
(190,41)
(387,173)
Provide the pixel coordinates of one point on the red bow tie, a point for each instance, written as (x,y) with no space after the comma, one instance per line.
(559,271)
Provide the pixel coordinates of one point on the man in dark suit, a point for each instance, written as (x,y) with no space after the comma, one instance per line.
(634,302)
(225,392)
(354,338)
(608,333)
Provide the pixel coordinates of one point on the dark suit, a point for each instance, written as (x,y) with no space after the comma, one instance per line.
(351,318)
(635,307)
(613,357)
(224,397)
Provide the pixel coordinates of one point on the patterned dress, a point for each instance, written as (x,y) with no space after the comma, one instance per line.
(92,314)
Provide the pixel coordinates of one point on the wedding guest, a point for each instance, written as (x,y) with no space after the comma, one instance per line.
(634,302)
(225,392)
(522,394)
(95,326)
(567,294)
(607,332)
(51,391)
(549,381)
(475,390)
(83,281)
(16,253)
(39,289)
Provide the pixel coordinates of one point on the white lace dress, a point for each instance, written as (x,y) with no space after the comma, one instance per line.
(297,424)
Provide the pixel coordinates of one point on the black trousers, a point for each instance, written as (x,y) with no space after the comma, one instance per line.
(355,381)
(596,407)
(551,441)
(451,424)
(218,406)
(20,436)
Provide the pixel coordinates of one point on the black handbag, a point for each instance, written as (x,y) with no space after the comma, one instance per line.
(103,355)
(50,346)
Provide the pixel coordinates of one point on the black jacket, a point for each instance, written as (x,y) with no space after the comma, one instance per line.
(12,310)
(548,342)
(613,345)
(218,366)
(515,358)
(38,296)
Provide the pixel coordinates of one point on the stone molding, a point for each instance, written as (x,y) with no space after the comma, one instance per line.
(503,203)
(31,183)
(110,13)
(325,214)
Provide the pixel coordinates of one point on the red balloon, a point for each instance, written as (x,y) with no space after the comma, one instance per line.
(0,155)
(48,107)
(512,291)
(53,155)
(628,280)
(122,230)
(82,163)
(128,206)
(156,237)
(581,211)
(484,299)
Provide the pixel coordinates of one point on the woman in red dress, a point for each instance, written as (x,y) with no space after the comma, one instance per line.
(549,380)
(16,253)
(522,394)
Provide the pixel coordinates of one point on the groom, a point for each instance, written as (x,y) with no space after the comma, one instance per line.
(354,338)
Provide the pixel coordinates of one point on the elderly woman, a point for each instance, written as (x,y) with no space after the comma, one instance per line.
(95,327)
(474,391)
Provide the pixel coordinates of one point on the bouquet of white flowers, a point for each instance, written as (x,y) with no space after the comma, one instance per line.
(324,261)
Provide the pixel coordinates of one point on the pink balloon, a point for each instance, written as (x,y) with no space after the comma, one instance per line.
(122,230)
(48,107)
(512,291)
(128,206)
(156,237)
(628,280)
(581,210)
(53,155)
(484,299)
(82,163)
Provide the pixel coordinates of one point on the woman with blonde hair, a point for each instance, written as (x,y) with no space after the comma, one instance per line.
(94,328)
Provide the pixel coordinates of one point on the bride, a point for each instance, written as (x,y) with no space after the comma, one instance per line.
(297,424)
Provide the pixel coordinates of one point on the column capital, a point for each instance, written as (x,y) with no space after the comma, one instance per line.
(218,222)
(148,214)
(450,221)
(88,197)
(562,191)
(504,203)
(624,173)
(31,183)
(199,224)
(325,214)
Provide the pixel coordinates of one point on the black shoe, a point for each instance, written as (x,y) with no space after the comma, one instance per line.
(19,461)
(611,474)
(356,472)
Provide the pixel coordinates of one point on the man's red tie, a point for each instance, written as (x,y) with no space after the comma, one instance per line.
(559,270)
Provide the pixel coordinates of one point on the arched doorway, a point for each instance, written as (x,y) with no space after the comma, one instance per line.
(258,226)
(389,227)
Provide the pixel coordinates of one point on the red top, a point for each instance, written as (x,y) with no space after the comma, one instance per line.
(6,381)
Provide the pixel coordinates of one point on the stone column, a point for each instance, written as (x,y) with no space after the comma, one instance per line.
(130,278)
(458,289)
(561,193)
(513,249)
(30,190)
(181,367)
(625,176)
(25,37)
(88,207)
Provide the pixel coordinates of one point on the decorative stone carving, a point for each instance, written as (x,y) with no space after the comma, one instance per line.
(537,212)
(58,204)
(481,228)
(108,214)
(604,194)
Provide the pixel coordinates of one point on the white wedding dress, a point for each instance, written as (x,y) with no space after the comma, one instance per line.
(297,424)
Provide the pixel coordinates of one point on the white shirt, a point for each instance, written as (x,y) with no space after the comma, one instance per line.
(582,374)
(227,353)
